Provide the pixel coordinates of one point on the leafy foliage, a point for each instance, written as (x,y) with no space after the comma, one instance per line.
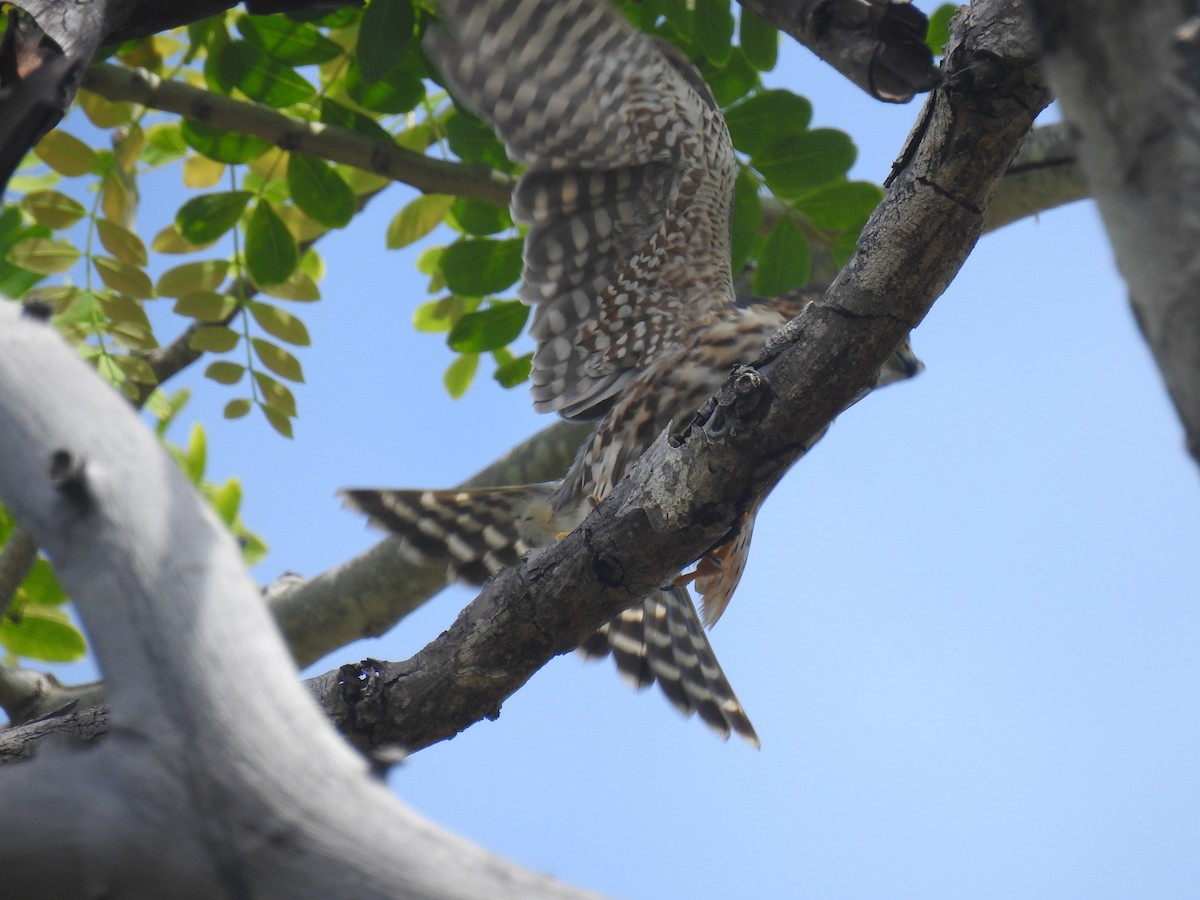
(227,275)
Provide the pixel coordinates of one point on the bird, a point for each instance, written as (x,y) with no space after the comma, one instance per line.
(627,193)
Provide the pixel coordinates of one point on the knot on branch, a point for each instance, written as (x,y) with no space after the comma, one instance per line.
(68,476)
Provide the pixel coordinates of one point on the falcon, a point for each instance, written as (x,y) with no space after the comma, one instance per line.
(628,195)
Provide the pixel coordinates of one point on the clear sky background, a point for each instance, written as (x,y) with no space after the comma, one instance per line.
(967,636)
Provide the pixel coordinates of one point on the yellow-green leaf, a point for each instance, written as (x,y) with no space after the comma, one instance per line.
(45,256)
(278,421)
(277,360)
(42,632)
(123,278)
(52,209)
(235,409)
(279,323)
(213,338)
(67,154)
(196,276)
(460,373)
(136,369)
(417,219)
(299,287)
(170,241)
(122,243)
(224,372)
(275,395)
(206,306)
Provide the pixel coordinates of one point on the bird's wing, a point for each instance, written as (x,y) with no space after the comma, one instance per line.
(628,189)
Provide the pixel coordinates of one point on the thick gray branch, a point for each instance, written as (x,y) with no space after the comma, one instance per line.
(1128,82)
(205,787)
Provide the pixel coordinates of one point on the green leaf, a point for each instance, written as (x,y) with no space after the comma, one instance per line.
(385,32)
(417,219)
(747,217)
(768,118)
(298,287)
(845,205)
(785,261)
(205,306)
(815,159)
(278,360)
(479,267)
(136,369)
(334,113)
(44,633)
(122,243)
(714,29)
(45,256)
(15,281)
(123,278)
(41,587)
(277,420)
(759,40)
(440,315)
(285,39)
(120,309)
(731,80)
(52,209)
(214,339)
(223,146)
(260,77)
(279,323)
(226,500)
(460,373)
(939,27)
(164,144)
(394,92)
(236,409)
(67,154)
(479,218)
(205,218)
(489,329)
(195,456)
(188,278)
(271,254)
(473,142)
(275,395)
(320,191)
(225,372)
(514,371)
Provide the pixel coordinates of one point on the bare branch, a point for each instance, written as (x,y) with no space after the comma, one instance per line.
(330,142)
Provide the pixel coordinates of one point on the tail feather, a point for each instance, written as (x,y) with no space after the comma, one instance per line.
(661,639)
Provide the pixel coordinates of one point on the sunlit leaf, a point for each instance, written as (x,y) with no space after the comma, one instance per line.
(200,172)
(298,287)
(195,455)
(45,256)
(279,323)
(206,275)
(206,306)
(275,395)
(277,360)
(939,27)
(44,633)
(123,278)
(122,243)
(214,339)
(225,372)
(460,373)
(67,154)
(226,500)
(52,209)
(417,219)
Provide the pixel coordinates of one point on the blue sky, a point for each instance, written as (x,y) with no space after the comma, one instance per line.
(967,636)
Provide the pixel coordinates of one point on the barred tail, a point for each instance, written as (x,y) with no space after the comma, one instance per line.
(661,639)
(476,532)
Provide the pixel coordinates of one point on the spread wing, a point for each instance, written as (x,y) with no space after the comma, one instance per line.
(628,189)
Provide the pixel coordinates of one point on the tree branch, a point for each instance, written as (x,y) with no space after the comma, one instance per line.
(435,176)
(680,500)
(203,788)
(1129,87)
(878,44)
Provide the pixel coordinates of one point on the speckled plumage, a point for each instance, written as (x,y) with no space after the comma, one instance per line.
(628,196)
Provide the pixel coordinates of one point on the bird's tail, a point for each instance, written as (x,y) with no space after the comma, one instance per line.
(661,639)
(476,532)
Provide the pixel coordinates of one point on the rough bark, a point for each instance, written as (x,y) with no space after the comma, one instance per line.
(1129,87)
(203,788)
